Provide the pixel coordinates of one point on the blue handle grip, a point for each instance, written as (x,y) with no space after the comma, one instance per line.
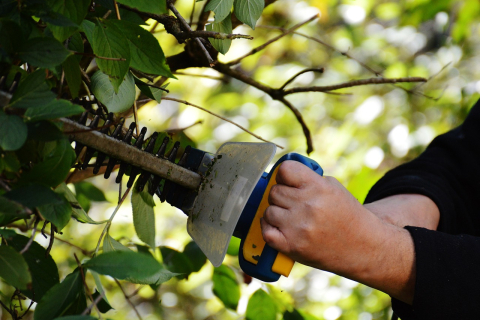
(263,269)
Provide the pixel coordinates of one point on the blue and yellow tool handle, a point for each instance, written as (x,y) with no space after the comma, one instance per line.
(256,257)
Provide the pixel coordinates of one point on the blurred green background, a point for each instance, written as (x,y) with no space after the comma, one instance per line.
(357,135)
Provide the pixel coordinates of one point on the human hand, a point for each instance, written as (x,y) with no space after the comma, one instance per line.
(316,221)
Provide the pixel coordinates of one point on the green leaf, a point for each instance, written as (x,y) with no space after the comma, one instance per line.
(110,244)
(156,7)
(292,315)
(55,165)
(145,51)
(32,91)
(59,214)
(7,234)
(42,267)
(224,26)
(127,265)
(59,298)
(43,131)
(43,52)
(11,208)
(221,8)
(13,268)
(225,286)
(149,91)
(33,195)
(248,11)
(10,161)
(176,262)
(99,285)
(73,75)
(13,132)
(143,216)
(75,10)
(77,211)
(118,101)
(110,42)
(261,307)
(197,258)
(233,246)
(87,27)
(89,190)
(102,305)
(55,109)
(78,305)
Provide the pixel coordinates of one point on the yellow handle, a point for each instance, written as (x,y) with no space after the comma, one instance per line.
(254,243)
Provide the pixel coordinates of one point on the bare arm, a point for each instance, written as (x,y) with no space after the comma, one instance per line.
(317,222)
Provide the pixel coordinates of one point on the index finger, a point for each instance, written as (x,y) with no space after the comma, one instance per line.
(292,174)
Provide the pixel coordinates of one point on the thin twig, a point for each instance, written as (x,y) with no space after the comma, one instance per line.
(87,290)
(117,12)
(135,117)
(105,16)
(34,231)
(353,83)
(259,48)
(218,116)
(128,299)
(200,76)
(50,243)
(184,23)
(107,226)
(98,57)
(215,35)
(4,186)
(184,128)
(320,70)
(94,303)
(306,130)
(7,308)
(343,53)
(28,309)
(192,12)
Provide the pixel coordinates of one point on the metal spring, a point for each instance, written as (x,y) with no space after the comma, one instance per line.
(169,191)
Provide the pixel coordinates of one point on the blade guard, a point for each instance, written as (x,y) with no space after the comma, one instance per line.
(225,190)
(257,258)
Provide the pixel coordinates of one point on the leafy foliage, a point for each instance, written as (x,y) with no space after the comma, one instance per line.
(60,58)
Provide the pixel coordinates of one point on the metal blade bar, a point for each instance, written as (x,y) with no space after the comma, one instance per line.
(121,151)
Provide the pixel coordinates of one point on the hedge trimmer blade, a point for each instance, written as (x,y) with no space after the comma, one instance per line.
(224,191)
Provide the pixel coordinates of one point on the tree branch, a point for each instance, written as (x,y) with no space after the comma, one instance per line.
(186,26)
(353,83)
(128,299)
(263,46)
(320,70)
(218,116)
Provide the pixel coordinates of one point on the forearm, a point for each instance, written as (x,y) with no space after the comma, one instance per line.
(407,210)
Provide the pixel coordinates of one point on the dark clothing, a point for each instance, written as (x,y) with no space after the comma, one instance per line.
(448,260)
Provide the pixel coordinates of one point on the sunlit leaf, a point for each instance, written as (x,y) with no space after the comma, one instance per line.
(156,7)
(118,101)
(13,268)
(261,307)
(41,265)
(224,26)
(221,8)
(127,265)
(110,244)
(248,11)
(55,109)
(110,42)
(145,51)
(13,132)
(225,286)
(59,298)
(143,216)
